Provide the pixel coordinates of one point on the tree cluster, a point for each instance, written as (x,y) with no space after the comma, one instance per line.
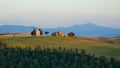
(71,34)
(52,58)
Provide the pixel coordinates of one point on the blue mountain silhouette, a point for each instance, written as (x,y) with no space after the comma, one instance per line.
(88,30)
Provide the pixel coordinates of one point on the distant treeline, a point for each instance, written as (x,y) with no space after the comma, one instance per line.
(52,58)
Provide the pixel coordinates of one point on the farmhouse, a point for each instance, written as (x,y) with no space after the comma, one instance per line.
(58,34)
(36,32)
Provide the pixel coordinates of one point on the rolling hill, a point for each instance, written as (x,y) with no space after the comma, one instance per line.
(90,45)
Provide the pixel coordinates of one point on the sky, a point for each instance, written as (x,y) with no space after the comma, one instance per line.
(60,13)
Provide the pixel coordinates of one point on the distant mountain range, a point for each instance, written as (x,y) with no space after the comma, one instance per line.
(87,30)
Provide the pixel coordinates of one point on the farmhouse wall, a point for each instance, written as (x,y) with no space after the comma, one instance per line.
(37,33)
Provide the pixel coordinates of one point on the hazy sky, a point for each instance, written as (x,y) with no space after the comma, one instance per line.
(60,13)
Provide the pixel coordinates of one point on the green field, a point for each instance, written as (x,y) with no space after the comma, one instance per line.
(93,47)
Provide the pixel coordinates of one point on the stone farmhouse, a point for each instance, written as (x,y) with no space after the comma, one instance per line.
(36,32)
(58,34)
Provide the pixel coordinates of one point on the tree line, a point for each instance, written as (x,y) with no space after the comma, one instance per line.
(52,58)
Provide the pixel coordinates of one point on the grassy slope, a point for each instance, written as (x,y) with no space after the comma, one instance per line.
(98,48)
